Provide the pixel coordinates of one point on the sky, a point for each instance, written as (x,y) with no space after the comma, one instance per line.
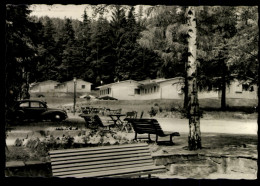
(62,11)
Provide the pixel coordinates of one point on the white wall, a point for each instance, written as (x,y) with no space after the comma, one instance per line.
(170,90)
(69,87)
(208,94)
(124,91)
(44,87)
(235,91)
(148,96)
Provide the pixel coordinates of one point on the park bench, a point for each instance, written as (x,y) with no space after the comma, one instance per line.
(150,126)
(129,160)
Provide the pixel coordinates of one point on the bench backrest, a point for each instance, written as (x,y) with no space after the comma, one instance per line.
(98,121)
(150,126)
(102,161)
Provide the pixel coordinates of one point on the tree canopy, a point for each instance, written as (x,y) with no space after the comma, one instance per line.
(133,44)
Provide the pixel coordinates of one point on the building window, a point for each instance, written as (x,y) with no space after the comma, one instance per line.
(83,86)
(251,89)
(137,91)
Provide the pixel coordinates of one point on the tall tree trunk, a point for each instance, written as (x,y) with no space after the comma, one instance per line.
(223,75)
(185,103)
(223,86)
(194,139)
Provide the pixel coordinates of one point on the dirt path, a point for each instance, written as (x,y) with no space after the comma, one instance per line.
(211,126)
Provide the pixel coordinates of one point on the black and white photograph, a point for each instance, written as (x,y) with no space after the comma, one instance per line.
(133,91)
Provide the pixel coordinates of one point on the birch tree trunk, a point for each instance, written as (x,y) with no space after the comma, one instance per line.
(194,139)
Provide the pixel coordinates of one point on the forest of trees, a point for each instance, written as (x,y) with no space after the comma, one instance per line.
(133,44)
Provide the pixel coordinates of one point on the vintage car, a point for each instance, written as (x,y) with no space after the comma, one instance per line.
(37,110)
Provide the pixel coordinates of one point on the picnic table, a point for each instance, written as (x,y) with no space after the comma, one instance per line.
(114,111)
(116,119)
(93,120)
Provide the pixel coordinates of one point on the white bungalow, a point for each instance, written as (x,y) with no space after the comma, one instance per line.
(68,86)
(144,90)
(122,90)
(170,89)
(241,89)
(162,88)
(237,89)
(44,86)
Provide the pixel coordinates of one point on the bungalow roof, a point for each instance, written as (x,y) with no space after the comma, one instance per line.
(38,83)
(119,82)
(72,81)
(156,82)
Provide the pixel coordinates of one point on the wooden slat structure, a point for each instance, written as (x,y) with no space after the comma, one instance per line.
(150,126)
(108,161)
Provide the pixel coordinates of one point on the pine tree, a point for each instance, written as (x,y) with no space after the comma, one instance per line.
(118,24)
(243,47)
(47,65)
(21,42)
(213,47)
(69,52)
(102,57)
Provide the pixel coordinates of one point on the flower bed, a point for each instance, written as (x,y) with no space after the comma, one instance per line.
(35,148)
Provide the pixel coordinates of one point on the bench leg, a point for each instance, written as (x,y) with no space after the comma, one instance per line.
(149,137)
(135,136)
(171,139)
(156,138)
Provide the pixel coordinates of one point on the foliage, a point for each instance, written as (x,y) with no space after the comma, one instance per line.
(21,42)
(132,45)
(153,112)
(243,47)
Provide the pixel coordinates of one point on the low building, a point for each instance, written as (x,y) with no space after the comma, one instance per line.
(171,89)
(68,86)
(241,89)
(44,86)
(236,89)
(122,90)
(162,88)
(144,90)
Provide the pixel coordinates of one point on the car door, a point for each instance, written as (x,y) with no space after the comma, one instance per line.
(24,107)
(36,109)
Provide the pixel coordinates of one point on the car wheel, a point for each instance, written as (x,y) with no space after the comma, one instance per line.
(57,117)
(19,116)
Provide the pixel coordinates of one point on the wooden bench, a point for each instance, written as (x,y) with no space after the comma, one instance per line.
(150,126)
(108,161)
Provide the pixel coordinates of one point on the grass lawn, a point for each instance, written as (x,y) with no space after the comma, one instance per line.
(236,108)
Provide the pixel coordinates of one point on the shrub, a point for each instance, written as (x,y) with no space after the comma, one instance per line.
(152,112)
